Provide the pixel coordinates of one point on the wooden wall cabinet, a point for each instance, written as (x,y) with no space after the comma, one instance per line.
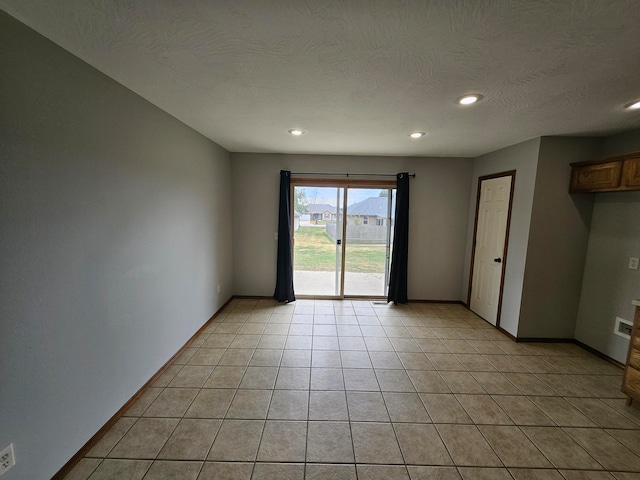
(612,174)
(631,378)
(631,173)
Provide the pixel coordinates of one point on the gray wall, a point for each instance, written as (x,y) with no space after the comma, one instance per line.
(439,202)
(523,158)
(608,285)
(558,237)
(115,234)
(626,142)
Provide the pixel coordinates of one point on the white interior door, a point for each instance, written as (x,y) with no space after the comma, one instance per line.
(491,231)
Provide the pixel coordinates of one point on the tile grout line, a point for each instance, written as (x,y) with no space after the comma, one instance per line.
(594,376)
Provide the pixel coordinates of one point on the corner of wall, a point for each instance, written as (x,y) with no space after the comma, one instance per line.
(523,158)
(117,235)
(608,285)
(557,243)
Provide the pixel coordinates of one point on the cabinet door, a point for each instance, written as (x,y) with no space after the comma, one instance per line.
(631,384)
(596,177)
(631,174)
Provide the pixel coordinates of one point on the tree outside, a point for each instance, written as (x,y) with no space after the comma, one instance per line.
(300,200)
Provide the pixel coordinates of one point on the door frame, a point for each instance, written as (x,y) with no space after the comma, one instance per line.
(344,183)
(512,174)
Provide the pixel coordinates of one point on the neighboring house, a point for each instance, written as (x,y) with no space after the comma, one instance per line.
(367,222)
(372,211)
(321,212)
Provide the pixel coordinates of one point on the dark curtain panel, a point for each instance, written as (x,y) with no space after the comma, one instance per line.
(284,276)
(400,255)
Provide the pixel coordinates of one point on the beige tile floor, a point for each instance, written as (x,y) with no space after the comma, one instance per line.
(359,390)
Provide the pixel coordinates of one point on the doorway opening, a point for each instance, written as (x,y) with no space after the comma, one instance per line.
(343,237)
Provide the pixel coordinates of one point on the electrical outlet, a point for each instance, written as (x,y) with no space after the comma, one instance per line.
(218,288)
(7,459)
(623,328)
(633,263)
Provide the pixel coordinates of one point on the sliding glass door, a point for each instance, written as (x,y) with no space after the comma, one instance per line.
(317,240)
(368,241)
(342,238)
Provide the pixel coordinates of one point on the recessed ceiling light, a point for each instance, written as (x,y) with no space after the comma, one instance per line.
(296,132)
(633,106)
(469,99)
(416,134)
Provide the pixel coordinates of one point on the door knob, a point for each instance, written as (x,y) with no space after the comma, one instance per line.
(497,260)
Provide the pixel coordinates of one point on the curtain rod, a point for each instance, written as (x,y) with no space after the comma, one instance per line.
(352,174)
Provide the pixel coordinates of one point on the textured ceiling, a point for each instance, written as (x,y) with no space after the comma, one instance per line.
(360,75)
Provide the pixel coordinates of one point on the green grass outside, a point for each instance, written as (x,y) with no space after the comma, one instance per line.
(315,251)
